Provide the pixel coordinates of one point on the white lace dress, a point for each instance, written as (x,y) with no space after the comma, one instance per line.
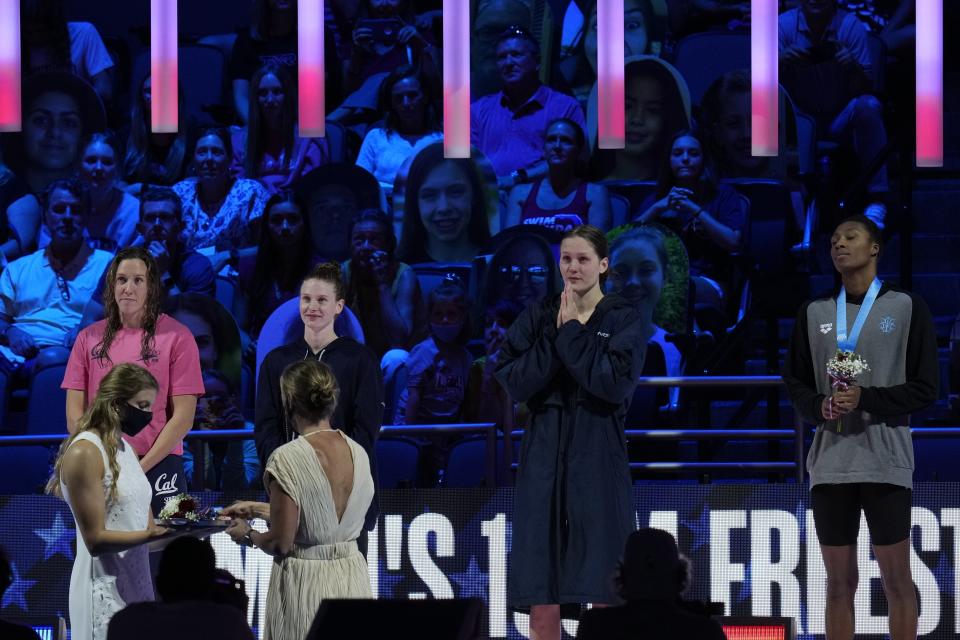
(101,586)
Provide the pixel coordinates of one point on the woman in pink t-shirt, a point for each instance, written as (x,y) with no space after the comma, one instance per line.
(134,330)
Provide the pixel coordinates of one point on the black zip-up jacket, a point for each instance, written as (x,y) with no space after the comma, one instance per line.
(359,412)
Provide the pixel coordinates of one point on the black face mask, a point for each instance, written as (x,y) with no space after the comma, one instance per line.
(133,420)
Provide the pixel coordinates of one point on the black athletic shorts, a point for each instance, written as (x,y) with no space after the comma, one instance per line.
(836,512)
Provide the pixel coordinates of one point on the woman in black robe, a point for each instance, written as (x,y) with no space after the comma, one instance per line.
(575,360)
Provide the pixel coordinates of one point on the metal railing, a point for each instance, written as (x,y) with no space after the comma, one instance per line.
(796,433)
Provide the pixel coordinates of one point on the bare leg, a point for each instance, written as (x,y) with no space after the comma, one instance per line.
(545,622)
(894,561)
(842,578)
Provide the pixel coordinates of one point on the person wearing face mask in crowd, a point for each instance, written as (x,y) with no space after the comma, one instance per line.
(135,330)
(219,211)
(383,292)
(575,361)
(437,372)
(270,149)
(98,475)
(42,295)
(359,411)
(284,256)
(445,217)
(113,217)
(561,200)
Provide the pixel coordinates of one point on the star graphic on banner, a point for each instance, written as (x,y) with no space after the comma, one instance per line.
(472,582)
(57,538)
(700,529)
(16,594)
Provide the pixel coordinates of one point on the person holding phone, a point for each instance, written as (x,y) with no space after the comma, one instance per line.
(385,38)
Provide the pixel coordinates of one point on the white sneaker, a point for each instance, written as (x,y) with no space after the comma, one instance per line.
(877,212)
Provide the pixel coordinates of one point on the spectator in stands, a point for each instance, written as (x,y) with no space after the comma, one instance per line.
(562,200)
(445,216)
(652,578)
(181,269)
(522,270)
(725,122)
(20,215)
(710,218)
(657,106)
(59,109)
(826,67)
(385,37)
(437,372)
(270,148)
(154,158)
(228,466)
(270,39)
(186,584)
(643,34)
(50,43)
(382,291)
(284,257)
(486,399)
(111,223)
(892,20)
(509,126)
(219,212)
(410,122)
(492,17)
(11,630)
(334,196)
(42,294)
(135,330)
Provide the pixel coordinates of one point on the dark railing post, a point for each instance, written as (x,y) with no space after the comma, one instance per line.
(798,447)
(492,455)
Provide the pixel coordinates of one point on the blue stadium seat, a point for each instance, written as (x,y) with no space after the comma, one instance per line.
(467,463)
(701,58)
(620,212)
(226,293)
(634,191)
(397,460)
(25,469)
(202,73)
(46,408)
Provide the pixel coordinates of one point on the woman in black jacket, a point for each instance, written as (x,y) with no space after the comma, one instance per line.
(575,361)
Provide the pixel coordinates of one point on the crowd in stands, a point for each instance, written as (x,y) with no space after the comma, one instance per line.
(438,255)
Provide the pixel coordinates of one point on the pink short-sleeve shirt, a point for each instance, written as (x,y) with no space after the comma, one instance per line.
(175,364)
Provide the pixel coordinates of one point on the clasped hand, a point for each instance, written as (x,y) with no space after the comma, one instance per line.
(568,308)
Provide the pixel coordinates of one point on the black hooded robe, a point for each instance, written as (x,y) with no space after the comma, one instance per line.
(573,505)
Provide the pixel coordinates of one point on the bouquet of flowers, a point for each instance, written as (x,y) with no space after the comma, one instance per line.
(182,506)
(843,369)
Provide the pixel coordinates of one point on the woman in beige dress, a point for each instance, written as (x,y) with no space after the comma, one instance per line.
(319,486)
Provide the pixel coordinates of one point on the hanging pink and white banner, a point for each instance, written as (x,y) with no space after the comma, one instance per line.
(310,69)
(764,76)
(456,78)
(10,116)
(164,114)
(929,83)
(611,124)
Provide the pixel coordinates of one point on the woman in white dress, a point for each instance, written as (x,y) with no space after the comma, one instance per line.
(100,477)
(319,487)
